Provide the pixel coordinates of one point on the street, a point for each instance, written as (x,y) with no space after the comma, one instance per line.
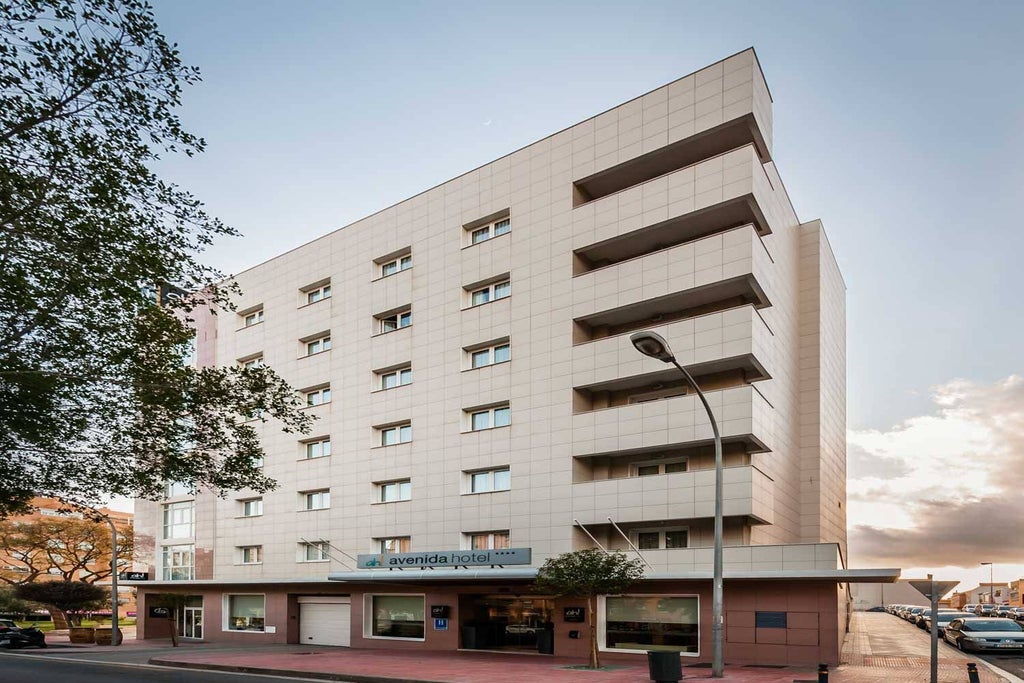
(17,667)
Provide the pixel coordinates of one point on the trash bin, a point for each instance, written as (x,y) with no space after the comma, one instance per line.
(469,638)
(545,642)
(665,667)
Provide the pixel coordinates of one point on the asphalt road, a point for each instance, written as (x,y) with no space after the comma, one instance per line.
(15,667)
(1013,664)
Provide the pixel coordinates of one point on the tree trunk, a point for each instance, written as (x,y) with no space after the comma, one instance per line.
(59,619)
(174,626)
(594,661)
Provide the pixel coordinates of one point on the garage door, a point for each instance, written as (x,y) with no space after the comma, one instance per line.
(325,620)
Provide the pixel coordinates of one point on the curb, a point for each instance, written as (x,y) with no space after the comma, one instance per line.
(285,673)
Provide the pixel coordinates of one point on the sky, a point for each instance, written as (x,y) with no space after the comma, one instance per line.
(900,125)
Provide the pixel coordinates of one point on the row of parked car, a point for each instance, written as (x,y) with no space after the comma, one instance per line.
(974,628)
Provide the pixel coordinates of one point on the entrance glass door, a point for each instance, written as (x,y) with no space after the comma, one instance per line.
(506,622)
(190,618)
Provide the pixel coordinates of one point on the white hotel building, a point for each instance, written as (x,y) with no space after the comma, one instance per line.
(466,354)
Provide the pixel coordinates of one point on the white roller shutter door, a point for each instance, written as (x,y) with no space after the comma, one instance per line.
(325,620)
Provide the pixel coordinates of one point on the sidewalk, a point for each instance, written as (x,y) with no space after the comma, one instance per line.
(880,649)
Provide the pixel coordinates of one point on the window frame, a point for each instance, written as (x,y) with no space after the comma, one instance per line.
(400,316)
(256,318)
(167,571)
(471,478)
(491,537)
(323,344)
(492,413)
(634,536)
(399,373)
(400,263)
(251,503)
(490,292)
(492,352)
(315,295)
(321,392)
(321,547)
(634,468)
(309,497)
(488,230)
(309,446)
(602,621)
(402,540)
(227,616)
(401,485)
(369,612)
(247,550)
(177,506)
(399,430)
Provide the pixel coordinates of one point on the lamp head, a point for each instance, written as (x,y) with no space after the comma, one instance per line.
(652,344)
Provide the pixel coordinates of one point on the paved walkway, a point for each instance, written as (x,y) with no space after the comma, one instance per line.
(881,648)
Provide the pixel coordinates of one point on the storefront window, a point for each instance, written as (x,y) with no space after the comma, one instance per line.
(397,616)
(652,622)
(246,612)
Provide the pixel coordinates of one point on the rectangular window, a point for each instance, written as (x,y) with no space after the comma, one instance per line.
(396,616)
(647,469)
(394,322)
(486,481)
(662,539)
(318,294)
(318,346)
(499,416)
(178,562)
(396,266)
(488,540)
(321,448)
(394,491)
(394,544)
(318,397)
(254,318)
(396,378)
(637,623)
(252,507)
(178,519)
(497,228)
(318,551)
(770,620)
(174,489)
(251,363)
(317,500)
(251,554)
(245,612)
(492,355)
(391,436)
(492,292)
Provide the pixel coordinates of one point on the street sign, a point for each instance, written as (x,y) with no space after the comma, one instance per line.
(924,587)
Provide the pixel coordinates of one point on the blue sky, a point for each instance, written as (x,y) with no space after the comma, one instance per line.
(900,125)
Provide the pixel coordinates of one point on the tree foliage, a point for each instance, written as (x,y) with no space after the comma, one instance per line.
(65,547)
(588,574)
(94,396)
(11,603)
(70,597)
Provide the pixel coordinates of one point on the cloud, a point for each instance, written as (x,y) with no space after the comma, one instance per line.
(942,489)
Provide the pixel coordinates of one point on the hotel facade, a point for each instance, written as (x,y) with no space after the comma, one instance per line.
(480,407)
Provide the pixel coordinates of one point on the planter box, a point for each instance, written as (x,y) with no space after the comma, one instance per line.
(80,635)
(104,636)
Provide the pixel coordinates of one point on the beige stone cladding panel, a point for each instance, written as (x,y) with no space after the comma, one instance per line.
(732,254)
(682,495)
(727,334)
(721,178)
(696,103)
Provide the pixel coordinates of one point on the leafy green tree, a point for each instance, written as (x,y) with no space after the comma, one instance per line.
(71,598)
(11,603)
(94,396)
(588,574)
(61,547)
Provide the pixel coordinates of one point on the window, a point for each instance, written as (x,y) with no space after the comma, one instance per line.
(394,616)
(395,378)
(245,612)
(486,481)
(394,544)
(178,519)
(174,489)
(390,436)
(397,321)
(492,355)
(488,540)
(252,507)
(251,554)
(770,619)
(646,469)
(498,416)
(398,265)
(318,551)
(254,318)
(318,397)
(317,500)
(318,346)
(321,448)
(257,461)
(393,491)
(251,363)
(490,231)
(492,292)
(633,623)
(658,539)
(178,562)
(318,294)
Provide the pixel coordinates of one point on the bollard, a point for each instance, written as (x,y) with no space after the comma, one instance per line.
(823,673)
(972,673)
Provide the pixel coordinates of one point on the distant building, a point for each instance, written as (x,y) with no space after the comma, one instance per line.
(995,593)
(481,408)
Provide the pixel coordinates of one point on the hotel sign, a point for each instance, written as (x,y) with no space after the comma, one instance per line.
(445,558)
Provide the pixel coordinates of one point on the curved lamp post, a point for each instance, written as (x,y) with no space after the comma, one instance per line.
(654,345)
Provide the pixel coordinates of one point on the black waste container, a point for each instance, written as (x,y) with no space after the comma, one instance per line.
(469,638)
(665,667)
(546,642)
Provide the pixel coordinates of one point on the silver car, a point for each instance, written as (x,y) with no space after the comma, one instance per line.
(981,633)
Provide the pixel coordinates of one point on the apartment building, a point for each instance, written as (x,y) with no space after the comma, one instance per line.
(481,409)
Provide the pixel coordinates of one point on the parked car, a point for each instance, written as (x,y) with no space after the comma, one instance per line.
(13,636)
(969,607)
(979,633)
(943,619)
(1017,613)
(1003,611)
(985,609)
(912,613)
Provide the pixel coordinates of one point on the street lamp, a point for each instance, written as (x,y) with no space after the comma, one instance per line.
(991,582)
(654,345)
